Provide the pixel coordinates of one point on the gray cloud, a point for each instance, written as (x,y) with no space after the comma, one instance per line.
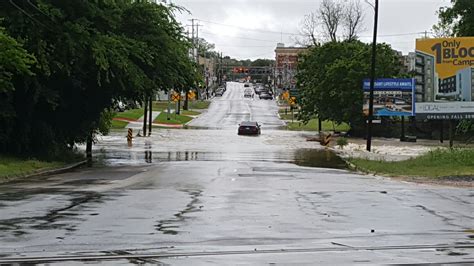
(256,26)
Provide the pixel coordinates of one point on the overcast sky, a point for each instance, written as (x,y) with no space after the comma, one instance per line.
(250,29)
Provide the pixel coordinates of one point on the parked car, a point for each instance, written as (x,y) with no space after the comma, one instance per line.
(219,92)
(259,90)
(248,93)
(249,128)
(119,106)
(266,96)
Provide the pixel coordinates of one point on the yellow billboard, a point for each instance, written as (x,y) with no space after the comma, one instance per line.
(444,74)
(450,54)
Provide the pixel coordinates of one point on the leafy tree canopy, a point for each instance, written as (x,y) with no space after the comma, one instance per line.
(457,20)
(88,53)
(330,78)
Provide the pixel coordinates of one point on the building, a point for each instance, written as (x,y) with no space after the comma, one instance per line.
(426,77)
(409,62)
(465,84)
(286,63)
(447,86)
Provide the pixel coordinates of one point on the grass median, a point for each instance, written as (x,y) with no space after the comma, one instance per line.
(312,125)
(199,104)
(435,164)
(173,118)
(132,114)
(14,167)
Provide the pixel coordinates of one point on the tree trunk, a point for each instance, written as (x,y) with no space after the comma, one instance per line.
(186,100)
(145,116)
(89,149)
(178,107)
(150,116)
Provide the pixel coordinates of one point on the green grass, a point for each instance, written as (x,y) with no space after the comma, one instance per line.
(199,104)
(133,114)
(12,167)
(174,119)
(436,163)
(119,124)
(188,112)
(312,125)
(162,105)
(288,116)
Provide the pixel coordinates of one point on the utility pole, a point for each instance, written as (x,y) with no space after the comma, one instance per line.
(372,78)
(221,76)
(193,41)
(197,42)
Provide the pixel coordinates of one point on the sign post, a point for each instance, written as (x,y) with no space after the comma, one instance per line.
(372,76)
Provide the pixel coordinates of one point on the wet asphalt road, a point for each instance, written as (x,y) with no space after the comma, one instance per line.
(208,196)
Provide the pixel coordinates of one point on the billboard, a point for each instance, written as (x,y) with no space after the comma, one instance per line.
(444,72)
(392,97)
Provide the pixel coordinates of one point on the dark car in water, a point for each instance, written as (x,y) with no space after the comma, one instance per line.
(266,96)
(219,92)
(249,128)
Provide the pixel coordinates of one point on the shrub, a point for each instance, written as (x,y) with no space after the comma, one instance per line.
(341,142)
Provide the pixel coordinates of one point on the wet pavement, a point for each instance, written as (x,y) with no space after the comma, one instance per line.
(209,196)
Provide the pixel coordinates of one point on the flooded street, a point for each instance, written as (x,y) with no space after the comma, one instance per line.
(208,196)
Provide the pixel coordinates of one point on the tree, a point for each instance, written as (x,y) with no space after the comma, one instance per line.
(15,63)
(88,53)
(457,20)
(330,79)
(262,62)
(352,20)
(331,13)
(308,28)
(329,19)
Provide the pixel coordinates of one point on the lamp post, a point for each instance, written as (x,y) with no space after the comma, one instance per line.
(372,78)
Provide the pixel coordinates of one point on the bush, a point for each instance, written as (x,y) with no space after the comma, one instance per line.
(341,142)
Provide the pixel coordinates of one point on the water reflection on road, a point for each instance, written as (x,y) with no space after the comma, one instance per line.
(216,145)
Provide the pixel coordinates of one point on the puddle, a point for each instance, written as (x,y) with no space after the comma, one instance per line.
(318,158)
(301,157)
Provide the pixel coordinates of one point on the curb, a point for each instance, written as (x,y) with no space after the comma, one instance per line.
(46,172)
(59,170)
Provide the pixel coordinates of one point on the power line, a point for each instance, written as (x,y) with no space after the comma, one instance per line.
(304,35)
(235,37)
(252,46)
(247,29)
(27,14)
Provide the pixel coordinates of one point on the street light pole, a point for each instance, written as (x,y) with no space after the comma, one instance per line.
(372,78)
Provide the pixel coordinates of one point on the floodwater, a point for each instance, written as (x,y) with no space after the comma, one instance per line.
(199,197)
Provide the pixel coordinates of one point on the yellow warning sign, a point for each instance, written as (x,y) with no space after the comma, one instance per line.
(191,95)
(175,97)
(292,101)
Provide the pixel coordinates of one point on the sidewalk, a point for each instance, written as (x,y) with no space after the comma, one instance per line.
(138,124)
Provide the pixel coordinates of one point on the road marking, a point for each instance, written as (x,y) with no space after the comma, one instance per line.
(231,252)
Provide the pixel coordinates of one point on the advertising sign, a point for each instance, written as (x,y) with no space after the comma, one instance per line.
(392,97)
(444,74)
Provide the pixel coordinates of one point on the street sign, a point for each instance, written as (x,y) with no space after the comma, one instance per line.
(191,95)
(285,95)
(175,97)
(294,92)
(292,101)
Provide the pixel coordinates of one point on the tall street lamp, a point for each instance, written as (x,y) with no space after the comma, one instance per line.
(372,78)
